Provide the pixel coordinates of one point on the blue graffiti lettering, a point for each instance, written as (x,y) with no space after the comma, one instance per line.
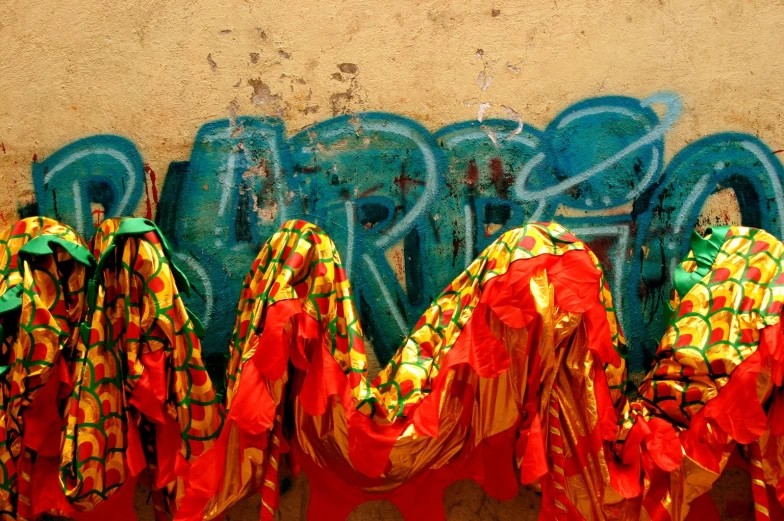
(409,208)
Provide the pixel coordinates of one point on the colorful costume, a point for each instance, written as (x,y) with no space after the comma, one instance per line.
(512,353)
(142,396)
(139,397)
(716,382)
(515,373)
(43,267)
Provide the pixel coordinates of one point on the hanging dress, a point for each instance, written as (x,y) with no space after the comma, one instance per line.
(520,358)
(43,268)
(143,405)
(103,382)
(715,392)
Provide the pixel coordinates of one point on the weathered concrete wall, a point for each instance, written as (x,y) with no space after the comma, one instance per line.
(629,121)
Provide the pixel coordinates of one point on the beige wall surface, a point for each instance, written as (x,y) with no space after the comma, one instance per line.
(413,131)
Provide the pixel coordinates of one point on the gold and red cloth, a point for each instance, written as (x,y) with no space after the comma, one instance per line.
(514,374)
(467,395)
(714,395)
(103,381)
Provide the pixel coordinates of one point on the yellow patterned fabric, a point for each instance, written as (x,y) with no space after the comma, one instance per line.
(101,371)
(717,324)
(714,369)
(42,277)
(477,370)
(139,378)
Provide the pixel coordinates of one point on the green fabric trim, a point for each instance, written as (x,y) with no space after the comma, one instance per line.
(93,283)
(198,327)
(4,369)
(84,333)
(42,245)
(668,313)
(11,300)
(705,250)
(135,226)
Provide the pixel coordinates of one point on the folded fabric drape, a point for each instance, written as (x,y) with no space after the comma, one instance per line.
(43,266)
(131,398)
(514,374)
(714,394)
(473,391)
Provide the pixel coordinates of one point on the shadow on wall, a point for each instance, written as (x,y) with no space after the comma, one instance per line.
(409,209)
(466,501)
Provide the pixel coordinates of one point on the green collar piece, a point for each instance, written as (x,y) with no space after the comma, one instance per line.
(42,245)
(11,300)
(705,249)
(198,327)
